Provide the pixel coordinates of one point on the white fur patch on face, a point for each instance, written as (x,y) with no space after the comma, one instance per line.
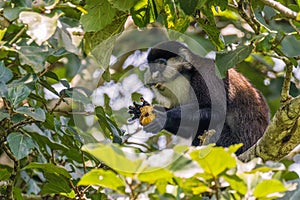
(173,93)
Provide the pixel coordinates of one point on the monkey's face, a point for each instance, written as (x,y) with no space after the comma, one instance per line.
(168,76)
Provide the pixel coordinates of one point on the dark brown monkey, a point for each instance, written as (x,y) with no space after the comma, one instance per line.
(194,99)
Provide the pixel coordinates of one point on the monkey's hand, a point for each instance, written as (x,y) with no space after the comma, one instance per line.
(143,112)
(159,122)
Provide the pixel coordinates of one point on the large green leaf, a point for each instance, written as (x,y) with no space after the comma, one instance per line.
(227,60)
(236,183)
(100,14)
(213,160)
(103,178)
(36,113)
(17,94)
(40,27)
(122,5)
(113,156)
(290,46)
(49,168)
(267,187)
(5,73)
(34,57)
(20,144)
(152,175)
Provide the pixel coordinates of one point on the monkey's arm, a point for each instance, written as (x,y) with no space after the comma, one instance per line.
(182,120)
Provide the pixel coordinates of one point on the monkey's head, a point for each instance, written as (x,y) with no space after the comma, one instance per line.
(169,73)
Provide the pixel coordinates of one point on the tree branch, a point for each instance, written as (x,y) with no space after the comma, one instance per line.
(281,136)
(281,8)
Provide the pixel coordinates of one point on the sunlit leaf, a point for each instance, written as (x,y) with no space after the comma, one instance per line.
(40,27)
(104,178)
(100,14)
(267,187)
(113,156)
(213,160)
(151,175)
(143,12)
(236,183)
(20,144)
(49,168)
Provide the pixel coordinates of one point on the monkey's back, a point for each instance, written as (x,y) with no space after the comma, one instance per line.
(247,114)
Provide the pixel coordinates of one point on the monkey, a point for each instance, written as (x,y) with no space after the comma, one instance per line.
(193,99)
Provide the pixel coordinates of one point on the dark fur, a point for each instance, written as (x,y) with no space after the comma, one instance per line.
(246,112)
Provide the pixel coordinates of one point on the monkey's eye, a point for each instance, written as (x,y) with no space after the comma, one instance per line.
(161,61)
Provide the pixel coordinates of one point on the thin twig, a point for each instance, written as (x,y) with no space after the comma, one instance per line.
(281,8)
(18,35)
(13,175)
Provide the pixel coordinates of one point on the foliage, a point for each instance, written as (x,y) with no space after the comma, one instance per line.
(48,131)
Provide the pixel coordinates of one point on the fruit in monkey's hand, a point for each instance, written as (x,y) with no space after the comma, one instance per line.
(142,111)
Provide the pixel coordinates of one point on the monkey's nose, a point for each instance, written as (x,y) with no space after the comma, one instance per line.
(155,75)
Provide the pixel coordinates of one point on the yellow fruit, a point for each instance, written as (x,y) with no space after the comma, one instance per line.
(147,115)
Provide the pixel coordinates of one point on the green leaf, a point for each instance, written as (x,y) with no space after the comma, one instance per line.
(100,14)
(36,113)
(34,57)
(227,60)
(188,6)
(57,185)
(210,27)
(12,14)
(113,156)
(3,115)
(17,94)
(76,95)
(103,41)
(44,142)
(20,144)
(40,27)
(48,86)
(49,168)
(122,5)
(143,13)
(236,183)
(4,174)
(152,175)
(103,178)
(267,187)
(290,46)
(106,122)
(213,160)
(5,73)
